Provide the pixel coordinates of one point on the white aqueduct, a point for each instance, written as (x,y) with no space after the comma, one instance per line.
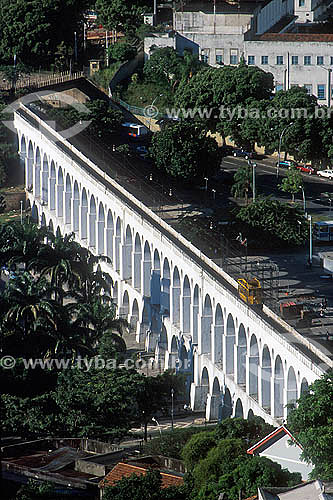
(240,362)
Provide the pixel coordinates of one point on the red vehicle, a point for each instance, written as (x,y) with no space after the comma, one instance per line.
(306,168)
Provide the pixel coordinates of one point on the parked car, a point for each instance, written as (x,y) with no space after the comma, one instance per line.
(286,163)
(306,168)
(244,154)
(326,173)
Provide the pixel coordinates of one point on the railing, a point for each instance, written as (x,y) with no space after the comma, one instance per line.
(40,81)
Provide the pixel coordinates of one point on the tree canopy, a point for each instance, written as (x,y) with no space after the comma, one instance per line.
(311,422)
(125,15)
(185,152)
(33,30)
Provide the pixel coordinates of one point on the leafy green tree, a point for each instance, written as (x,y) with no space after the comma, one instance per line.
(197,448)
(185,152)
(34,490)
(122,51)
(164,66)
(125,15)
(311,423)
(292,183)
(220,460)
(250,431)
(104,119)
(33,30)
(271,220)
(242,182)
(255,472)
(171,443)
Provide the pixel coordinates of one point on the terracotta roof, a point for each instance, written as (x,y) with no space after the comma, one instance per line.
(296,37)
(126,470)
(280,430)
(255,497)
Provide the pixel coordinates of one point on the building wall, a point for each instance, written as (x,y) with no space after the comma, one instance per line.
(271,13)
(200,22)
(288,455)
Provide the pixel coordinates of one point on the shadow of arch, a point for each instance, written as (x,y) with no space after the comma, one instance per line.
(239,412)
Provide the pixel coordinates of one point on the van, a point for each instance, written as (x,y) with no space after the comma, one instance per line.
(134,129)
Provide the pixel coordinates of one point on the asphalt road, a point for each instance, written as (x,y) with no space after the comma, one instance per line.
(267,184)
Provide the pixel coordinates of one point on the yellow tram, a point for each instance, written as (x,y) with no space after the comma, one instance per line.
(250,291)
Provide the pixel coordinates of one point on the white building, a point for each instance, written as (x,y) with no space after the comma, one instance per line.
(267,35)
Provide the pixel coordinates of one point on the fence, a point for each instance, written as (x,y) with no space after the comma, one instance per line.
(40,81)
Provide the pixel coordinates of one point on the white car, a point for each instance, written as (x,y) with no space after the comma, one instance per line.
(326,173)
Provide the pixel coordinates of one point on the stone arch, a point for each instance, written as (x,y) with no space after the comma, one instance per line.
(125,306)
(156,285)
(183,358)
(146,269)
(92,222)
(60,193)
(29,181)
(127,255)
(135,315)
(230,342)
(207,320)
(117,243)
(216,389)
(68,200)
(84,215)
(162,343)
(173,356)
(115,293)
(51,227)
(239,411)
(278,387)
(37,173)
(205,379)
(58,232)
(176,297)
(43,220)
(109,235)
(101,230)
(53,181)
(34,214)
(45,181)
(218,335)
(304,386)
(76,208)
(241,356)
(186,305)
(291,388)
(250,414)
(253,368)
(165,296)
(226,404)
(195,315)
(137,275)
(266,376)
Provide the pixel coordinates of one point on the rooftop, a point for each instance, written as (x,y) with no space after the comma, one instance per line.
(222,7)
(296,37)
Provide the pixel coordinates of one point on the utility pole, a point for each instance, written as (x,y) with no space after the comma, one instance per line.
(172,408)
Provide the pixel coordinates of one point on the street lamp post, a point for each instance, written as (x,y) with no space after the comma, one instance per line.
(253,165)
(310,240)
(304,200)
(152,104)
(279,151)
(206,183)
(75,47)
(172,396)
(158,425)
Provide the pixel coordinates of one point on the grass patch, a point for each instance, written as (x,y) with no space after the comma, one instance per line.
(142,94)
(103,77)
(9,216)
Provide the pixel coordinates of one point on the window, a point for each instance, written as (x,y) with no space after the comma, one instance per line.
(279,60)
(320,60)
(321,92)
(331,60)
(278,87)
(301,3)
(251,60)
(307,60)
(294,60)
(264,59)
(219,56)
(205,55)
(233,56)
(308,88)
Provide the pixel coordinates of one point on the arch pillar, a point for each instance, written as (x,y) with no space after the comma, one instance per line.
(92,229)
(68,207)
(199,397)
(29,165)
(185,314)
(252,382)
(83,215)
(60,200)
(241,365)
(217,347)
(45,186)
(265,383)
(75,215)
(213,406)
(52,191)
(37,183)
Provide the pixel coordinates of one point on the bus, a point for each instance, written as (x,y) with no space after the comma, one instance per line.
(323,231)
(134,129)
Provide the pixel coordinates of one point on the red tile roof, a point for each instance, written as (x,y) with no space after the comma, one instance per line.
(280,430)
(296,37)
(126,470)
